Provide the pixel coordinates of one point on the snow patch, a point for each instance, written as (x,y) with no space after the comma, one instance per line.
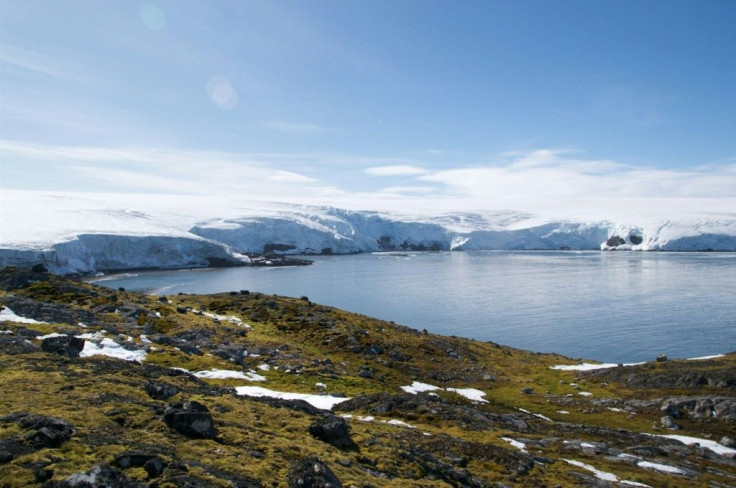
(222,374)
(110,348)
(708,444)
(419,387)
(325,402)
(514,443)
(7,315)
(660,467)
(470,393)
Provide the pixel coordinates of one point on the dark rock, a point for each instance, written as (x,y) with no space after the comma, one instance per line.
(49,431)
(41,474)
(332,430)
(9,449)
(244,292)
(527,391)
(650,451)
(298,405)
(661,358)
(366,373)
(39,268)
(64,345)
(191,419)
(615,241)
(312,472)
(103,476)
(161,391)
(163,299)
(154,467)
(135,459)
(16,344)
(181,310)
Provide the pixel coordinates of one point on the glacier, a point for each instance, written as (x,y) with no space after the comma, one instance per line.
(87,233)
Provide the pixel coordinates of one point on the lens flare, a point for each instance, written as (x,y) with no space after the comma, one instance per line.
(153,17)
(222,93)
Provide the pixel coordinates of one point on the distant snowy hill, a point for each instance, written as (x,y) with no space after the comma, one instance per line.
(93,232)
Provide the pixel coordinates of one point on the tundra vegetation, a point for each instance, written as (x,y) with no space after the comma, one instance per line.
(408,408)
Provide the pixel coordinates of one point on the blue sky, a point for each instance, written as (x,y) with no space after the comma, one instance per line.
(487,102)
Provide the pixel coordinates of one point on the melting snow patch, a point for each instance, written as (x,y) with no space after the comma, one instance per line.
(108,347)
(7,315)
(588,366)
(6,331)
(470,394)
(585,393)
(49,336)
(325,402)
(145,340)
(660,467)
(601,475)
(539,415)
(223,374)
(563,412)
(92,336)
(264,367)
(519,445)
(224,318)
(418,387)
(400,423)
(702,358)
(708,444)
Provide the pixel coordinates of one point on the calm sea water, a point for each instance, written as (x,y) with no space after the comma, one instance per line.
(612,306)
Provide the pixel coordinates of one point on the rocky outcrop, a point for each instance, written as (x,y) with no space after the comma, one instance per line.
(65,345)
(332,430)
(191,419)
(312,472)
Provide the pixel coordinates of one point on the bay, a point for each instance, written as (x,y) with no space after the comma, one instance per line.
(608,306)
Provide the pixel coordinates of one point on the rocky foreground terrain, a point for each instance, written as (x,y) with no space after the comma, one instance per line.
(103,387)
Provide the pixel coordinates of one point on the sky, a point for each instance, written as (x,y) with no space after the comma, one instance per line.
(493,104)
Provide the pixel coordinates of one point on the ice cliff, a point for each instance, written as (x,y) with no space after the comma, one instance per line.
(69,233)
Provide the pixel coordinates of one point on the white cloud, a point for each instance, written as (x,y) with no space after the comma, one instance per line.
(395,170)
(531,181)
(408,189)
(548,173)
(290,177)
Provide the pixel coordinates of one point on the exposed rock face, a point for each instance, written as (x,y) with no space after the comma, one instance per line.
(191,419)
(64,345)
(333,430)
(615,241)
(50,431)
(312,472)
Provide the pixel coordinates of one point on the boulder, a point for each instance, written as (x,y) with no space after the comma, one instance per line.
(728,442)
(668,422)
(64,345)
(50,431)
(312,472)
(333,430)
(191,419)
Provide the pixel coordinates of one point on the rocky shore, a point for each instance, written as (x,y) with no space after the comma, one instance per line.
(108,388)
